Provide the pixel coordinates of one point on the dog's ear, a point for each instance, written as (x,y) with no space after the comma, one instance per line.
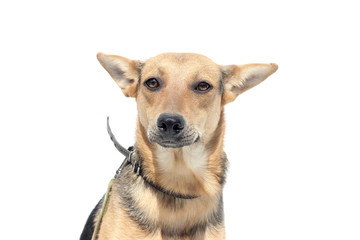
(124,71)
(239,78)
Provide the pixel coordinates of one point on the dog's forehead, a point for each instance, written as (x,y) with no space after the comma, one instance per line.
(181,57)
(180,62)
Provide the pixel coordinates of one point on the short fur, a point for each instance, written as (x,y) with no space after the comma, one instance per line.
(194,165)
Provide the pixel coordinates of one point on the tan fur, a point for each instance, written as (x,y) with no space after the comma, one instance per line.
(192,169)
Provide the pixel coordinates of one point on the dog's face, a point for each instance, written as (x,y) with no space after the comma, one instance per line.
(180,96)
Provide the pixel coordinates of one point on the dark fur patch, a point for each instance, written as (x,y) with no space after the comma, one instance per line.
(223,165)
(136,214)
(90,223)
(221,83)
(140,67)
(217,216)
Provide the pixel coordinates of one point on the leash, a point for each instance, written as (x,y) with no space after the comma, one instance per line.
(120,148)
(137,169)
(103,210)
(128,154)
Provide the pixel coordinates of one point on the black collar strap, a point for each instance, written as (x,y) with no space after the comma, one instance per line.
(128,153)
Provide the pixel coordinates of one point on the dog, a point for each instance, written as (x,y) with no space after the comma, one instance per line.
(177,194)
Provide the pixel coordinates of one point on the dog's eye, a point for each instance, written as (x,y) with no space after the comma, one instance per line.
(203,87)
(152,83)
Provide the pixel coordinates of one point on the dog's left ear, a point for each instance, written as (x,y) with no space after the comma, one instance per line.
(124,71)
(239,78)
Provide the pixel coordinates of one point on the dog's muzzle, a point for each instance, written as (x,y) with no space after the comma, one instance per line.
(171,131)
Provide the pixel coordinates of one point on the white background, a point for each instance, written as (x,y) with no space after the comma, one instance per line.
(293,141)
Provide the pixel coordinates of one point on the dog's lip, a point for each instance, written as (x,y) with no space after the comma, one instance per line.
(176,144)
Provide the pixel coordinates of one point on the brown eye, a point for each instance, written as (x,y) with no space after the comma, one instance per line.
(152,83)
(203,87)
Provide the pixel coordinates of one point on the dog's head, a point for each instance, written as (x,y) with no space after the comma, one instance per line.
(180,96)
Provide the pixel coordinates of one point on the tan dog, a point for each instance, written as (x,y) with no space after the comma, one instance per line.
(179,146)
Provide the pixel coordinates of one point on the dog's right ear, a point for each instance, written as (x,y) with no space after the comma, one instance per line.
(124,71)
(239,78)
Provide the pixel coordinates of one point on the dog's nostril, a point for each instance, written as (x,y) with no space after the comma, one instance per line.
(162,127)
(177,128)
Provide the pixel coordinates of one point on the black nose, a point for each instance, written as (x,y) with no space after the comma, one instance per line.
(170,124)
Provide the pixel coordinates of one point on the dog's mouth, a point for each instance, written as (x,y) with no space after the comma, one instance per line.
(188,137)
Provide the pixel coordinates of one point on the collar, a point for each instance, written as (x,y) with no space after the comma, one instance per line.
(136,166)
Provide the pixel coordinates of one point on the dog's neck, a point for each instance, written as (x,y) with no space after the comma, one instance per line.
(198,169)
